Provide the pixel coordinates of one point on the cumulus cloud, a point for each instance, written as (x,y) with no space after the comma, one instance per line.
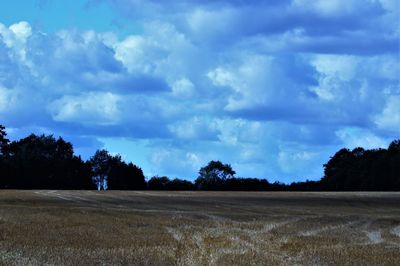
(15,37)
(272,83)
(91,108)
(175,161)
(389,118)
(353,137)
(312,26)
(274,95)
(183,88)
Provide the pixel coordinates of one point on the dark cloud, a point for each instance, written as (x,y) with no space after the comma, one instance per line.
(273,87)
(327,27)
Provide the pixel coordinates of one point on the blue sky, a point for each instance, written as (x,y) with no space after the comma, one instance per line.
(272,87)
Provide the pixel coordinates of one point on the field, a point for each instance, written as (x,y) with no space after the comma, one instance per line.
(198,228)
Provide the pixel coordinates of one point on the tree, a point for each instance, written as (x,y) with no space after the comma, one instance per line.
(336,170)
(101,163)
(43,162)
(164,183)
(360,169)
(213,175)
(125,176)
(179,184)
(158,183)
(111,172)
(246,184)
(394,164)
(394,146)
(3,143)
(3,139)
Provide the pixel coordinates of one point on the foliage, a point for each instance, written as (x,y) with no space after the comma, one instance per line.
(125,176)
(164,183)
(213,175)
(111,172)
(101,163)
(43,162)
(360,169)
(158,183)
(246,184)
(3,139)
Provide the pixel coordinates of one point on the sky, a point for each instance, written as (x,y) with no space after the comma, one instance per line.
(272,87)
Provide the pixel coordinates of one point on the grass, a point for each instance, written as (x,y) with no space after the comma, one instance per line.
(198,228)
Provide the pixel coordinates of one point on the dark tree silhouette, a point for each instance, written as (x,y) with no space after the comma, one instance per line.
(179,184)
(3,143)
(101,163)
(164,183)
(359,169)
(213,175)
(43,162)
(110,172)
(394,146)
(3,139)
(126,177)
(246,184)
(158,183)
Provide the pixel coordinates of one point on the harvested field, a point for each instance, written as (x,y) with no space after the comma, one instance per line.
(198,228)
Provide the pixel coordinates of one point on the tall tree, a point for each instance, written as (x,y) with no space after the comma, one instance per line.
(101,163)
(111,172)
(158,183)
(125,176)
(44,162)
(213,175)
(359,169)
(3,139)
(3,170)
(164,183)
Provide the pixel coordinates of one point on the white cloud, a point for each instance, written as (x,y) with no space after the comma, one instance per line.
(251,81)
(328,8)
(239,131)
(339,8)
(211,24)
(183,88)
(294,161)
(16,33)
(342,67)
(353,137)
(195,128)
(15,37)
(389,118)
(138,54)
(274,95)
(176,162)
(335,72)
(87,109)
(21,30)
(7,100)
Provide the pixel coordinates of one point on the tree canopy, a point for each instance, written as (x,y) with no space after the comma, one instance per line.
(46,162)
(3,139)
(111,172)
(164,183)
(360,169)
(43,162)
(213,175)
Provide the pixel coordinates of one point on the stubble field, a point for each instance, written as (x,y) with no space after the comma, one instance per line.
(198,228)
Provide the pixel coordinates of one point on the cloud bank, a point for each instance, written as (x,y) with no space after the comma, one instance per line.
(273,88)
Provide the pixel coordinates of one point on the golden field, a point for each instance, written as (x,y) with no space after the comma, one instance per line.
(47,227)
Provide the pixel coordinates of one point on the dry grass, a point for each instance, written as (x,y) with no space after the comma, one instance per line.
(198,228)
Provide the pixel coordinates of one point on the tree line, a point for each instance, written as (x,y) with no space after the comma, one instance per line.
(46,162)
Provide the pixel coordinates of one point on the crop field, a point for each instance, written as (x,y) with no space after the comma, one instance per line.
(50,227)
